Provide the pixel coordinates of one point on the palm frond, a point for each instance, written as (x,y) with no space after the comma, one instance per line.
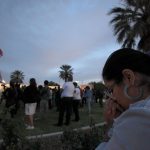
(116,10)
(130,22)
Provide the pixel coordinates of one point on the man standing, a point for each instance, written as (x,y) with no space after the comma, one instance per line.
(66,101)
(46,97)
(89,96)
(11,96)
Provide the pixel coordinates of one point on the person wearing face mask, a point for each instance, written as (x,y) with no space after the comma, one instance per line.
(126,74)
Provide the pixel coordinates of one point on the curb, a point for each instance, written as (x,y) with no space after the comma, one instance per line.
(59,133)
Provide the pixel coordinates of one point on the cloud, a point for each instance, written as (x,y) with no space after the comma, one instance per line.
(39,36)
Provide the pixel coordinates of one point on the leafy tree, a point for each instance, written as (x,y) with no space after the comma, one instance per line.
(98,89)
(17,76)
(51,83)
(65,72)
(131,24)
(98,86)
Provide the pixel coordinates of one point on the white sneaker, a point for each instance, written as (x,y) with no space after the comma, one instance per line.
(30,127)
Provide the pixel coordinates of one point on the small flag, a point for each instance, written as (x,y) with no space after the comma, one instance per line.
(1,53)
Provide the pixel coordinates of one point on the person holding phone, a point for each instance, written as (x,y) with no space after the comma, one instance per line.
(126,74)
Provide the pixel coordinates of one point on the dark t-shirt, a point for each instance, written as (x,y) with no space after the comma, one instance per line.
(10,95)
(31,94)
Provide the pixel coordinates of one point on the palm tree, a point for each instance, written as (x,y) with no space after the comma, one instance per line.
(65,72)
(131,24)
(17,76)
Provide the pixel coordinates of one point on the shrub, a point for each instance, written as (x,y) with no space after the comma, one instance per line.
(13,135)
(82,140)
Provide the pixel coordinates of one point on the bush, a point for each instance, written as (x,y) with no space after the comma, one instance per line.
(82,140)
(13,135)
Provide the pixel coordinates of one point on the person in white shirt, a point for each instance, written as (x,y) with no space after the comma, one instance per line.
(66,102)
(126,74)
(76,101)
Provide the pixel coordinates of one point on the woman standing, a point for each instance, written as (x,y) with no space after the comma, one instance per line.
(76,101)
(31,97)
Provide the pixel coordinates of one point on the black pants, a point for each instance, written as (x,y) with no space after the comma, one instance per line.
(76,109)
(65,106)
(50,104)
(83,101)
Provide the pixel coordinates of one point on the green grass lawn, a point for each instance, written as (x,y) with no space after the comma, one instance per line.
(44,123)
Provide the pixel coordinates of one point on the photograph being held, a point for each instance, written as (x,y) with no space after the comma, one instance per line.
(126,75)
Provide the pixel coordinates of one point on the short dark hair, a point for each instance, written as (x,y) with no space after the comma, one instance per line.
(46,82)
(125,58)
(32,81)
(75,84)
(87,87)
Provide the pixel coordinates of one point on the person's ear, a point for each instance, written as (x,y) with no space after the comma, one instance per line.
(128,76)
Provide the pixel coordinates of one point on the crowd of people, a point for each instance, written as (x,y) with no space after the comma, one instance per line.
(66,100)
(126,74)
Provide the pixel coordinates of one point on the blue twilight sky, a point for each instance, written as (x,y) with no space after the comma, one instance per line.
(38,36)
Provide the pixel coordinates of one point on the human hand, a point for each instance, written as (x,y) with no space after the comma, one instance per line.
(111,110)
